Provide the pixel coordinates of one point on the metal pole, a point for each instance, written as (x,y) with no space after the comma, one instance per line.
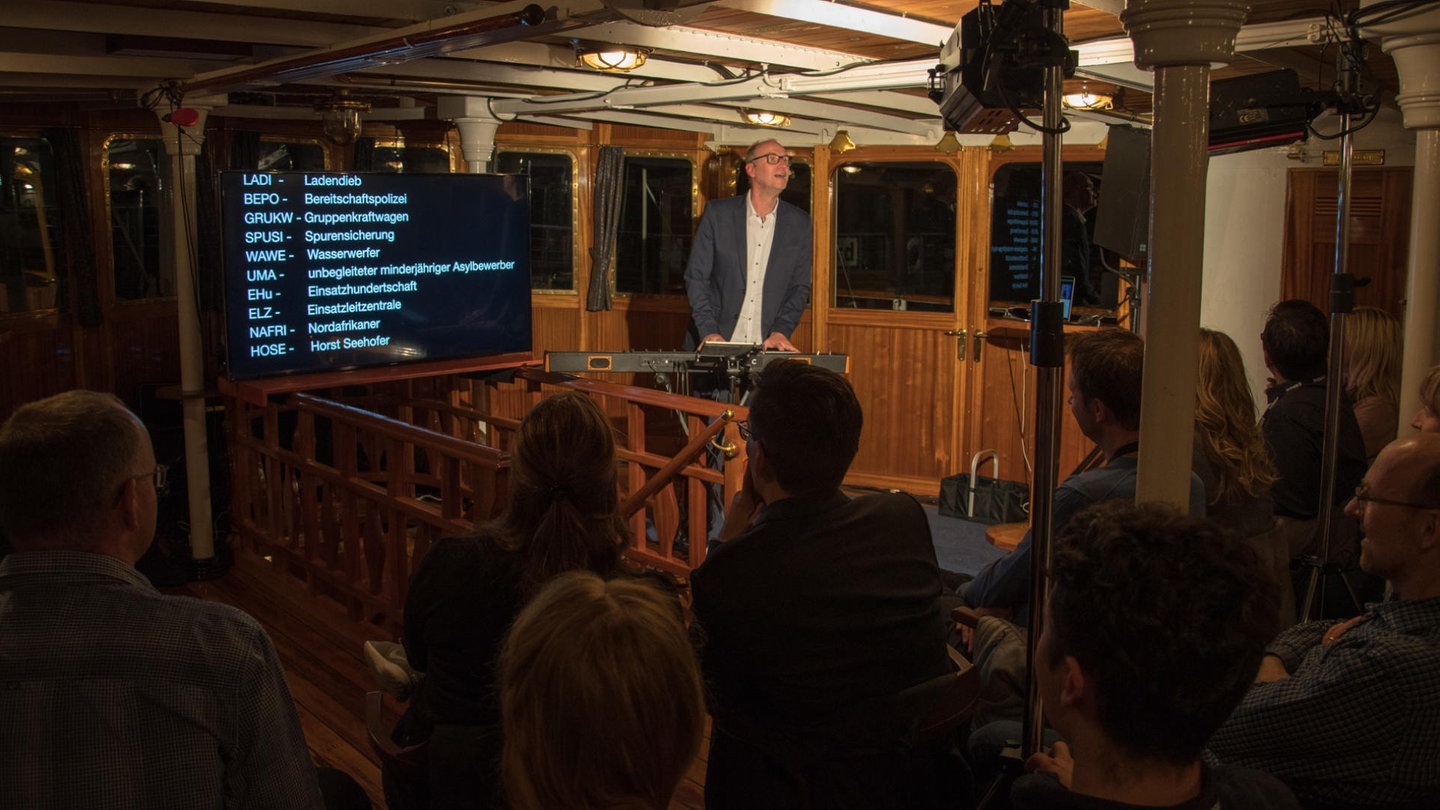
(1341,302)
(183,146)
(1046,354)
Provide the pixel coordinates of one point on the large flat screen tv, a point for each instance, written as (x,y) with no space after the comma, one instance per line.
(325,272)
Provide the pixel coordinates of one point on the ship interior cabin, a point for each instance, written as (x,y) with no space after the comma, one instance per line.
(308,498)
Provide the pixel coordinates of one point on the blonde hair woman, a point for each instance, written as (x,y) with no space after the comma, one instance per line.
(1230,454)
(1372,374)
(600,696)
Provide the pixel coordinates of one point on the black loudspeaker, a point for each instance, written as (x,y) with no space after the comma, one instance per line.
(1122,215)
(1259,111)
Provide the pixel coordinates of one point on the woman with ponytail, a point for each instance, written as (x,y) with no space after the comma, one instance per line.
(562,515)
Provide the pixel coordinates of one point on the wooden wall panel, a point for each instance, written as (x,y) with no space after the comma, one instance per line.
(896,370)
(144,348)
(1008,416)
(34,362)
(555,324)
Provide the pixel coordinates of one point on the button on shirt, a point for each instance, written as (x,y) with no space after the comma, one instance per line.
(759,234)
(116,696)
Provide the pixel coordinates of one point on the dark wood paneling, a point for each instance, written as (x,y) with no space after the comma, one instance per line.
(37,359)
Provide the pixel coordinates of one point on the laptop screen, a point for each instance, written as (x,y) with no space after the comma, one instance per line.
(1067,294)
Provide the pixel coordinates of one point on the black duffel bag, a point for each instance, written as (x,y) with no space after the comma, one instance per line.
(984,500)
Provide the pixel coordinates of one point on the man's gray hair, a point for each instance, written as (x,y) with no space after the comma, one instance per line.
(63,460)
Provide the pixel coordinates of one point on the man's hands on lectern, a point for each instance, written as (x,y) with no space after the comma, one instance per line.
(779,343)
(708,338)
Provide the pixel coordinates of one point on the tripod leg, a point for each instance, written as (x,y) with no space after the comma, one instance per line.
(1315,586)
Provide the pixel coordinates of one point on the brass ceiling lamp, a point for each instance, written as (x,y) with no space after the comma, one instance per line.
(841,143)
(611,58)
(1086,100)
(765,118)
(340,118)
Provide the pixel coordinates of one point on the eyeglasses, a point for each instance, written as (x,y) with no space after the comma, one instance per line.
(160,475)
(746,433)
(1363,497)
(771,158)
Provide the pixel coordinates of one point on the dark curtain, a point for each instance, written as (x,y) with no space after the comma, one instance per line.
(609,187)
(76,239)
(364,155)
(210,284)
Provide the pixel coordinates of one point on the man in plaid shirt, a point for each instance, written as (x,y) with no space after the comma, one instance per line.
(1349,714)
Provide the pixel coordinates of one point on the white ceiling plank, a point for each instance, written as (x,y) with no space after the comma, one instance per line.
(835,15)
(456,70)
(572,123)
(725,47)
(801,108)
(888,75)
(898,102)
(95,18)
(540,54)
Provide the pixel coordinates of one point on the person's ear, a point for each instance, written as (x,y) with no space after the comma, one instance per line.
(128,507)
(1074,684)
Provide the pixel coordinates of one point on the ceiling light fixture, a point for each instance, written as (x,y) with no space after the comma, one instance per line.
(611,59)
(340,118)
(841,143)
(1086,100)
(762,118)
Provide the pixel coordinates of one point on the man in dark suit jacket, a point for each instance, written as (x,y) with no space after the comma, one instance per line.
(749,272)
(813,615)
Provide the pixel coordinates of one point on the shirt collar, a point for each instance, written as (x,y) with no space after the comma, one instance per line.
(75,563)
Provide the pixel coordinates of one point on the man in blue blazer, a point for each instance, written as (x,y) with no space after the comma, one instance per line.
(749,273)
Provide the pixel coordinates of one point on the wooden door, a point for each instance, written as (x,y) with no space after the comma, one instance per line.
(1379,236)
(1001,408)
(893,290)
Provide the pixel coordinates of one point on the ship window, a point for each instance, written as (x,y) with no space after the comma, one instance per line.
(29,226)
(137,172)
(895,236)
(656,225)
(552,215)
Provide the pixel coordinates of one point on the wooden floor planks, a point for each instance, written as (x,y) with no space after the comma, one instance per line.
(321,649)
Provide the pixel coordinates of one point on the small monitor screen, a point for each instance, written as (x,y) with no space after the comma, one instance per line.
(325,272)
(1067,295)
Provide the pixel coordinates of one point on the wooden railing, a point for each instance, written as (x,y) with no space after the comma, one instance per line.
(349,499)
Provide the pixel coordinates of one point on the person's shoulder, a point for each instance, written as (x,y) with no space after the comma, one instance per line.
(793,209)
(1238,788)
(898,503)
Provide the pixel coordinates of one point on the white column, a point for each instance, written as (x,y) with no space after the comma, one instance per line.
(1178,40)
(477,125)
(183,147)
(1414,42)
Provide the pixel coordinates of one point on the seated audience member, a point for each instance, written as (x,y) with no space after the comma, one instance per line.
(601,698)
(815,612)
(1231,460)
(1349,714)
(116,695)
(562,515)
(1372,375)
(1104,384)
(1427,419)
(1296,341)
(1230,455)
(1149,640)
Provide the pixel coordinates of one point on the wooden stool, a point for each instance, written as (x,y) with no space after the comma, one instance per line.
(1006,535)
